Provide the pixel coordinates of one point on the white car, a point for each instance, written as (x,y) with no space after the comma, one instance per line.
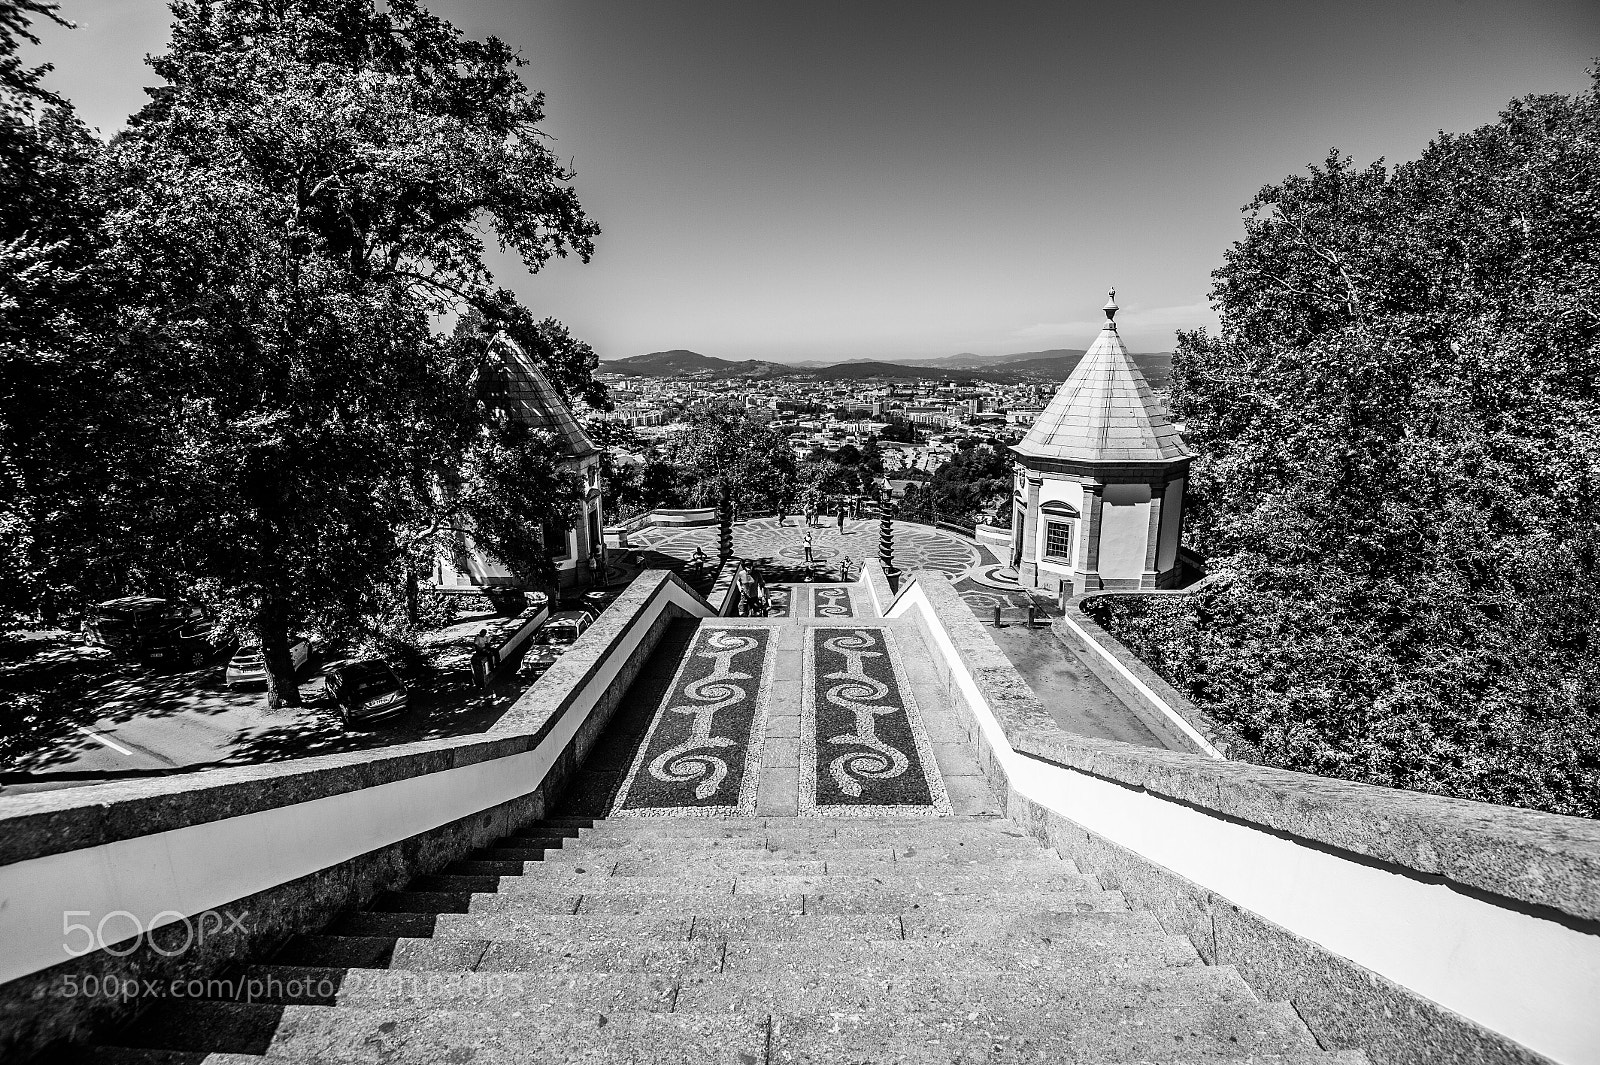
(248,666)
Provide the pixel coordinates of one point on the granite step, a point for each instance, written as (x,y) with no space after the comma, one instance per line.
(925,882)
(380,952)
(877,900)
(1114,948)
(513,924)
(307,985)
(712,828)
(673,868)
(880,958)
(445,954)
(451,884)
(925,913)
(1069,999)
(421,902)
(742,865)
(828,852)
(1128,1031)
(659,902)
(404,1035)
(1128,944)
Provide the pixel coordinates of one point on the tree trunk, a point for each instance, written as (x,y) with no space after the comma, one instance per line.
(413,595)
(272,627)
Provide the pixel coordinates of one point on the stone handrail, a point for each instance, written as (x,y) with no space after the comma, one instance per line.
(1418,927)
(172,878)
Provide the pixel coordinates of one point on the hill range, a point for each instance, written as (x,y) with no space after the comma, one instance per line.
(1018,368)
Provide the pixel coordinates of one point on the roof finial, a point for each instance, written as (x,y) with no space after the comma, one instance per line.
(1111,309)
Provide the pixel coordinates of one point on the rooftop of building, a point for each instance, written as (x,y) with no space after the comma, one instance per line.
(530,399)
(1105,411)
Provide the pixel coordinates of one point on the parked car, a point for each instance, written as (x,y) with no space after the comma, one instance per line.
(249,666)
(553,639)
(367,691)
(147,627)
(595,602)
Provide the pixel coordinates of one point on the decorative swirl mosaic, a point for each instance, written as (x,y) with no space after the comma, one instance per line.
(696,758)
(863,748)
(832,603)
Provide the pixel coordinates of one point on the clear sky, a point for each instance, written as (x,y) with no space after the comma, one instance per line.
(835,180)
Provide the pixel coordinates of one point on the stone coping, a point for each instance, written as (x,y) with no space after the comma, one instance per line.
(1545,863)
(43,823)
(877,585)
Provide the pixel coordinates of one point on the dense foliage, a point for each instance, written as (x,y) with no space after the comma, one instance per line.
(970,488)
(220,367)
(1400,434)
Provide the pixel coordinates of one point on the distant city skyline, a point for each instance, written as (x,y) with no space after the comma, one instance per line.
(897,180)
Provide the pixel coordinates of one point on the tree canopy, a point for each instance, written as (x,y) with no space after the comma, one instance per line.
(240,297)
(1400,433)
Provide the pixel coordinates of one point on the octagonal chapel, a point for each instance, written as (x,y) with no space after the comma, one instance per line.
(1099,480)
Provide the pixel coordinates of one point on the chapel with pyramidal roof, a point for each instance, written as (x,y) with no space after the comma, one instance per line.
(1098,500)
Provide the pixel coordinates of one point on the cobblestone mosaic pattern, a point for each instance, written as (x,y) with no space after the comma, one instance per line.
(696,757)
(863,748)
(832,603)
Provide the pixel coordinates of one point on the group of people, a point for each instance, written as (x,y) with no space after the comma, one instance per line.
(847,508)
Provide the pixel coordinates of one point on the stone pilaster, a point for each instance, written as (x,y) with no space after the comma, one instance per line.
(1087,577)
(1152,545)
(1028,571)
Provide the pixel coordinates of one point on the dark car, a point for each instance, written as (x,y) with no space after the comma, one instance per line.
(552,640)
(367,691)
(595,602)
(147,627)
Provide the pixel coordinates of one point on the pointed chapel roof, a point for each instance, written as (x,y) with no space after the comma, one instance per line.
(1104,411)
(532,400)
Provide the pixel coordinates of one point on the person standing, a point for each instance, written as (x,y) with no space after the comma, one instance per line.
(808,547)
(485,649)
(841,518)
(757,604)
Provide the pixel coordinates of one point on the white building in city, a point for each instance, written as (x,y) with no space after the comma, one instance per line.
(1099,480)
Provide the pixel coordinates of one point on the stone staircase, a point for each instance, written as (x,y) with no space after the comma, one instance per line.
(766,939)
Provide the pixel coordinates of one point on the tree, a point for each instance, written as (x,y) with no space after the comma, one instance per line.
(967,488)
(305,192)
(1398,427)
(728,460)
(75,423)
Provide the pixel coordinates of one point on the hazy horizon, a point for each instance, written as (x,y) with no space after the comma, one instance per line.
(897,180)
